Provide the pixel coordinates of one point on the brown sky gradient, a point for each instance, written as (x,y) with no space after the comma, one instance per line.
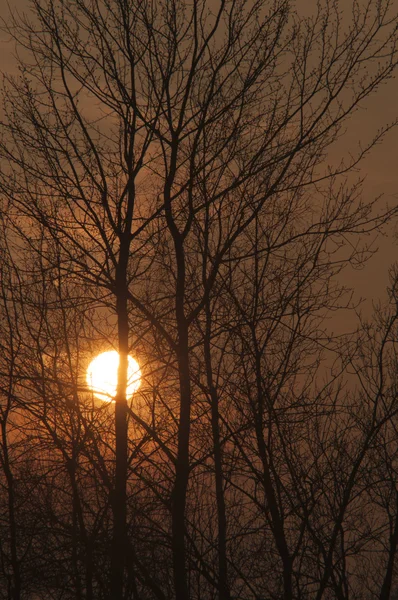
(380,168)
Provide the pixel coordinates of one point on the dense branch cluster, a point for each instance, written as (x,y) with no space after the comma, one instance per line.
(165,191)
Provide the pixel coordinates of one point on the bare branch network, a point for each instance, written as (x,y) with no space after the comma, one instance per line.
(166,191)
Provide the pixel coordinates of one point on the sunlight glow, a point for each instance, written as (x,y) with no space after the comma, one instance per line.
(102,376)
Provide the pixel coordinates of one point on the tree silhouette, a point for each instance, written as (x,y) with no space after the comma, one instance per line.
(165,188)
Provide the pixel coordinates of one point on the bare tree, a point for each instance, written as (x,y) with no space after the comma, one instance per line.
(174,155)
(10,548)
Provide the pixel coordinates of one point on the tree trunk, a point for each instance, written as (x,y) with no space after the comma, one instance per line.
(182,468)
(385,592)
(270,494)
(118,549)
(16,574)
(224,593)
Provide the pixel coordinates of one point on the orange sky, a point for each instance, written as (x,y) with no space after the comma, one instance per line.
(381,168)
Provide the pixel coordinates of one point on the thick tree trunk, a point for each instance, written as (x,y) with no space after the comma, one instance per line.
(119,500)
(385,592)
(119,504)
(179,493)
(182,469)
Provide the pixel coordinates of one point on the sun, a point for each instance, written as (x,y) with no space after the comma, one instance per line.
(102,376)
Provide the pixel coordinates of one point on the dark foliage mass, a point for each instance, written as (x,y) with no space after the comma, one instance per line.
(165,191)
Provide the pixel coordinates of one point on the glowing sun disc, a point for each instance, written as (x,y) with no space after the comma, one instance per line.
(102,376)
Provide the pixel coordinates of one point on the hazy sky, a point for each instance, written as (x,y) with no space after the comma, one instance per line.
(381,168)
